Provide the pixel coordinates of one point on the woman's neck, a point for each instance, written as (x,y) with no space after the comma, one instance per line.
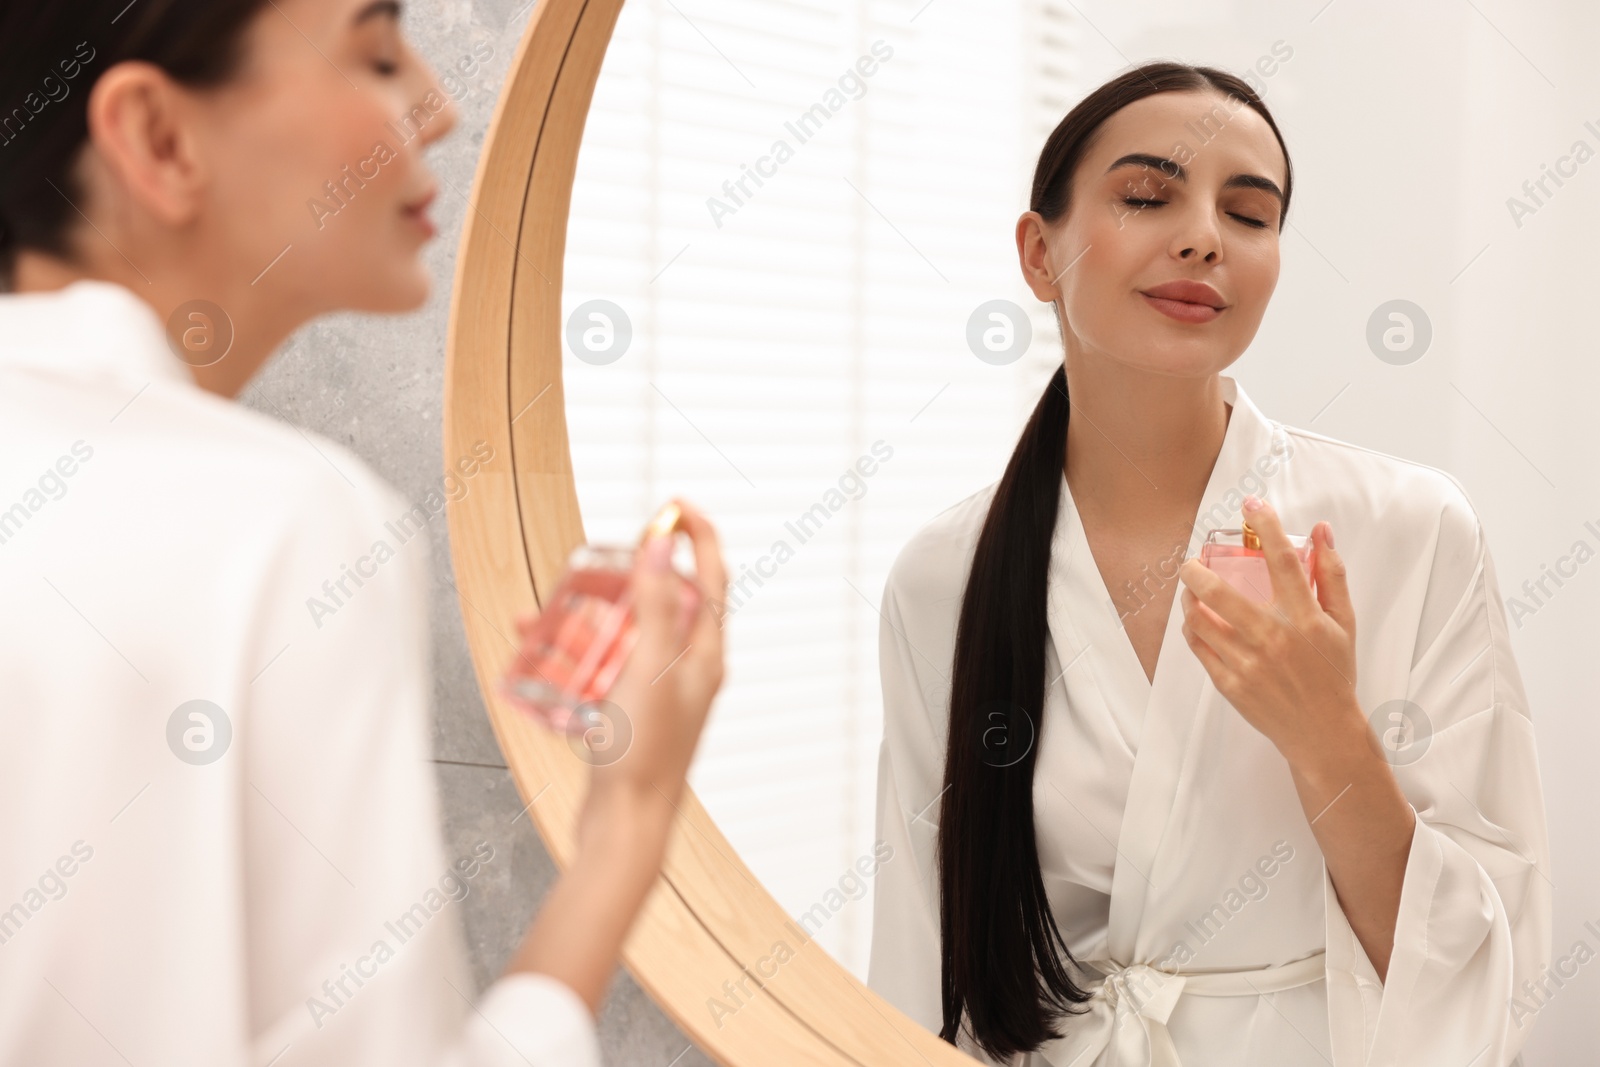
(258,324)
(1141,445)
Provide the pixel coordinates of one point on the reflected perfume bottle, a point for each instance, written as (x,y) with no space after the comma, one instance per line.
(574,650)
(1237,557)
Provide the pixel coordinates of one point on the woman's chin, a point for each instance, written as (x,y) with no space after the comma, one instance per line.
(398,287)
(415,293)
(1180,360)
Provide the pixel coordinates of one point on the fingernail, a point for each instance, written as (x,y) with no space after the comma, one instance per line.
(658,552)
(1252,503)
(1329,527)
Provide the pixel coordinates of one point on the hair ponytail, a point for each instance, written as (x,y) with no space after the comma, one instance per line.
(1006,969)
(993,908)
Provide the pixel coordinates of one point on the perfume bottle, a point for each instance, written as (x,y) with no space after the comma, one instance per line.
(576,647)
(1237,557)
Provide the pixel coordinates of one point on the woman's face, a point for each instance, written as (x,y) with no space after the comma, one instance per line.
(315,146)
(1176,187)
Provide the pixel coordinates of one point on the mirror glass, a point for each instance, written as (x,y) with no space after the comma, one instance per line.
(792,296)
(783,217)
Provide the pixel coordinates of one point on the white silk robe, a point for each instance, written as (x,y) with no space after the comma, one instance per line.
(160,545)
(1172,843)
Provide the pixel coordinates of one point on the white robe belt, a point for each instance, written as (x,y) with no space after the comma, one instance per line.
(1128,1010)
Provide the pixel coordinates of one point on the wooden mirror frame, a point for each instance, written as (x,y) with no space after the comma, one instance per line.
(707,921)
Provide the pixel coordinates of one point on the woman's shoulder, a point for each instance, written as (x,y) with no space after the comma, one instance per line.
(283,470)
(931,567)
(1405,496)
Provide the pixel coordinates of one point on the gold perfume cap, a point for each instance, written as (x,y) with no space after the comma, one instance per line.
(1252,540)
(665,522)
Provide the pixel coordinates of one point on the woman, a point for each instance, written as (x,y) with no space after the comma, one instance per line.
(221,831)
(1149,832)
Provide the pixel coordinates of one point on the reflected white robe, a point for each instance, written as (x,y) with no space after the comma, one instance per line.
(1169,830)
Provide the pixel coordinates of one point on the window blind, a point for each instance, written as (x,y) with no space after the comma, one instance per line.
(790,210)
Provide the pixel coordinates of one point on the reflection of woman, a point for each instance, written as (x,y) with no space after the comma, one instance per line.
(257,878)
(1199,852)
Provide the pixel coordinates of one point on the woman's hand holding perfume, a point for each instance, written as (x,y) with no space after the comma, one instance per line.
(676,666)
(638,735)
(628,654)
(1287,663)
(1289,667)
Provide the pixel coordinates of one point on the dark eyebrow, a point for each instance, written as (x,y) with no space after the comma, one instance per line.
(378,9)
(1175,170)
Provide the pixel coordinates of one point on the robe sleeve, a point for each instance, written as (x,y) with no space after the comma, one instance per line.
(1474,921)
(355,955)
(528,1020)
(904,966)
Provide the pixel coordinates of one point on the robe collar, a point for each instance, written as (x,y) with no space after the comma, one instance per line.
(1253,457)
(90,330)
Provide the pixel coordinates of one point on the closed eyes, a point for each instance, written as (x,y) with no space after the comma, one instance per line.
(1139,202)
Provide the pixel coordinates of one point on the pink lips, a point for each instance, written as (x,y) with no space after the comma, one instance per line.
(417,211)
(1186,301)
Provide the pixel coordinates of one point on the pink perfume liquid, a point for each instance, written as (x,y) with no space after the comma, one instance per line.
(574,650)
(1230,555)
(578,645)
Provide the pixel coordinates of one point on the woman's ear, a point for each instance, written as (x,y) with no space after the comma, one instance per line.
(143,136)
(1036,257)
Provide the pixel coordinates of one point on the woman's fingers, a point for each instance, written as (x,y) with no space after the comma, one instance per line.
(711,574)
(1291,588)
(673,612)
(711,578)
(656,602)
(675,669)
(1212,630)
(1210,588)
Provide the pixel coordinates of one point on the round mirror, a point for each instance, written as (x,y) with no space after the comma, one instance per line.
(762,256)
(782,363)
(790,294)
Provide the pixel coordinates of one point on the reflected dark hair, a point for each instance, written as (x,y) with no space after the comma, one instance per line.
(1006,969)
(51,54)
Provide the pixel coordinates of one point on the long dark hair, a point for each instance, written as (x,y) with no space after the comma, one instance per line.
(1006,969)
(51,54)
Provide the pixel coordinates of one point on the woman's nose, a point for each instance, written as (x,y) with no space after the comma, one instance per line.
(1199,241)
(442,122)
